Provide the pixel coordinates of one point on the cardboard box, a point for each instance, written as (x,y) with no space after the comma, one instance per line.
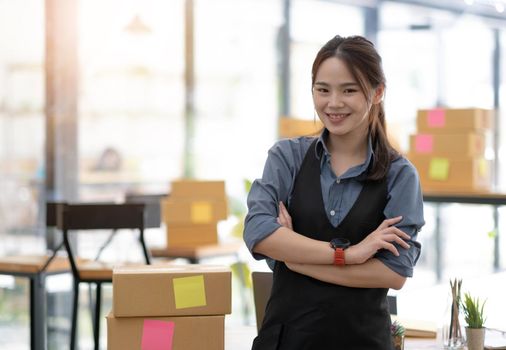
(176,333)
(454,145)
(449,121)
(445,174)
(196,211)
(171,290)
(191,235)
(202,190)
(292,127)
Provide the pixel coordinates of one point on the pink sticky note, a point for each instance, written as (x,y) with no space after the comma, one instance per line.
(436,118)
(423,143)
(157,335)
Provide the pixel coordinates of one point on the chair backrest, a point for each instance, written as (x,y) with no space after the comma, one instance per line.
(98,216)
(262,285)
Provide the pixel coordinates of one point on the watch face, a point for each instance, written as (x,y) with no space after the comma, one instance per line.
(342,243)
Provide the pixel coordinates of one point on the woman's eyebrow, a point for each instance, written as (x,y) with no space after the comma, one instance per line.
(343,85)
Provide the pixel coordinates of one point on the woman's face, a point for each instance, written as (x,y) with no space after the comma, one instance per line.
(339,101)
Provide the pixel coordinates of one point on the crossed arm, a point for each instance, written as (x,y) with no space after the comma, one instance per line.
(315,258)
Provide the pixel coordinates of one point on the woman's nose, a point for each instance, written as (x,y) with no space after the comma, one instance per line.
(336,101)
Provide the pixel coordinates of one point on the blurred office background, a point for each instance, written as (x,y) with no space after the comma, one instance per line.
(99,98)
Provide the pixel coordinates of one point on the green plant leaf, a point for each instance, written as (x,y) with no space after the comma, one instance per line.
(473,311)
(247,185)
(238,229)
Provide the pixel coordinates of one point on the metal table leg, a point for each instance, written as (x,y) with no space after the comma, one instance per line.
(497,257)
(38,312)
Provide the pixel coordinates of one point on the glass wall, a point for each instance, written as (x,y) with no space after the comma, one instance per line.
(21,117)
(131,96)
(236,87)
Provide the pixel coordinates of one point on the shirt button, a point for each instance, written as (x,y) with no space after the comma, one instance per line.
(332,213)
(338,181)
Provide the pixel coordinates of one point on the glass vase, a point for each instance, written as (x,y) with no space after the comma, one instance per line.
(452,331)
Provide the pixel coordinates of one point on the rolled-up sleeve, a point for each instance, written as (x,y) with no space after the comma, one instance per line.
(405,198)
(265,194)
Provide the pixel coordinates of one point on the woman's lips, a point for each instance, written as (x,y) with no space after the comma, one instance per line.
(337,116)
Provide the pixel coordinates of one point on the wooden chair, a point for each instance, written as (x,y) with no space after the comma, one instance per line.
(96,216)
(36,268)
(262,285)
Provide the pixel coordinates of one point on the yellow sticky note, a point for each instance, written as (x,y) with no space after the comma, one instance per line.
(439,169)
(483,168)
(201,212)
(189,291)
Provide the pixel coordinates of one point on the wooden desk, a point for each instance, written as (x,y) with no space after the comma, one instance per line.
(36,269)
(195,254)
(241,338)
(488,198)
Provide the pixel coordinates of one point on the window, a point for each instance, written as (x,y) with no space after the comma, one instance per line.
(131,122)
(236,87)
(21,116)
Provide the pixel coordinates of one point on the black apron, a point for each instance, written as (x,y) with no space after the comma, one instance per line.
(307,314)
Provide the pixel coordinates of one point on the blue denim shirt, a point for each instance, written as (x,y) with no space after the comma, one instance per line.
(339,194)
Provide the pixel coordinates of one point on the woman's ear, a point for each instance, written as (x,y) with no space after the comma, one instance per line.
(378,94)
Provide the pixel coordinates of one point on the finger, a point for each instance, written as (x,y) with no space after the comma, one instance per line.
(389,222)
(282,209)
(398,240)
(391,247)
(397,231)
(284,212)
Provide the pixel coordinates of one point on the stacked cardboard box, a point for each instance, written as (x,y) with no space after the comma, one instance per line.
(169,307)
(449,149)
(192,211)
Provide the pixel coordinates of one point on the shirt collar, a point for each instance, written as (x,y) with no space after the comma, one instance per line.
(323,154)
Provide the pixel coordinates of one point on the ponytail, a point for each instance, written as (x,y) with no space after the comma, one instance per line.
(383,151)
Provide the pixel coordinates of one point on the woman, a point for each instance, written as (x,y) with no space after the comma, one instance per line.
(353,210)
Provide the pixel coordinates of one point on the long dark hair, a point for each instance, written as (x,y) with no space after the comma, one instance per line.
(364,63)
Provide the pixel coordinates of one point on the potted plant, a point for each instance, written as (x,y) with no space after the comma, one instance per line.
(397,332)
(473,315)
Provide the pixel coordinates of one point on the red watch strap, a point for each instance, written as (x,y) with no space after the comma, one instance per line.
(339,257)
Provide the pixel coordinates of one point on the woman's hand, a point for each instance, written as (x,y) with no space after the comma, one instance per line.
(381,238)
(284,218)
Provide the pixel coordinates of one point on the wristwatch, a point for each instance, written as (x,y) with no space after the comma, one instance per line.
(339,245)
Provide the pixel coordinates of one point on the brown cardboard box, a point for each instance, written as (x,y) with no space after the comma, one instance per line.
(447,121)
(292,127)
(196,211)
(176,333)
(202,190)
(171,290)
(444,174)
(454,145)
(191,235)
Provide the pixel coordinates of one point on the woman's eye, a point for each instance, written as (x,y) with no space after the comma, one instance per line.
(349,91)
(322,90)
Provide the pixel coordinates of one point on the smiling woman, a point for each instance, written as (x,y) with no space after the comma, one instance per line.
(348,185)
